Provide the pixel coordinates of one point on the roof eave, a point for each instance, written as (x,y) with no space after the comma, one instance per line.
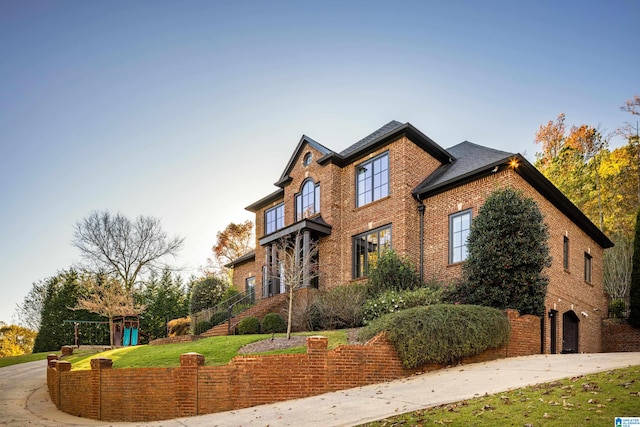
(256,206)
(535,178)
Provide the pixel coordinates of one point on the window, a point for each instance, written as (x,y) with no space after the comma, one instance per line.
(367,247)
(306,161)
(274,218)
(308,200)
(372,180)
(250,289)
(459,227)
(587,267)
(565,253)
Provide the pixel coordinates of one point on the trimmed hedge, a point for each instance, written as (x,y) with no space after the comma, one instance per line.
(273,323)
(248,326)
(441,333)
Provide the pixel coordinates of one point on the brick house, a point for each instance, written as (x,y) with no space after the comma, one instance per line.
(397,188)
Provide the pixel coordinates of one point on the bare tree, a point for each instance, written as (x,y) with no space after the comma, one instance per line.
(122,247)
(29,313)
(618,263)
(297,256)
(106,296)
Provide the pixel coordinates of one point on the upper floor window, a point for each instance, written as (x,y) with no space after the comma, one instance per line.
(367,247)
(587,267)
(459,228)
(565,253)
(274,218)
(306,160)
(308,200)
(372,179)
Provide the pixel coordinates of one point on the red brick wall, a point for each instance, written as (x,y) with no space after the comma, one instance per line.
(192,389)
(619,337)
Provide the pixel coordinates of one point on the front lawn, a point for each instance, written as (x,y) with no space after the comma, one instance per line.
(216,351)
(587,400)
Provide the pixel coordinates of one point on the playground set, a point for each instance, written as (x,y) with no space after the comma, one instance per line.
(126,331)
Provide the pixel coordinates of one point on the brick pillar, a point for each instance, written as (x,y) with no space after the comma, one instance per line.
(317,357)
(51,358)
(97,365)
(186,384)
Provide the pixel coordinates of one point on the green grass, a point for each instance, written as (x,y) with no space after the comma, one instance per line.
(593,399)
(216,351)
(14,360)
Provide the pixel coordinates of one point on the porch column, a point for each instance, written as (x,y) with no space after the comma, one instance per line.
(274,280)
(305,258)
(266,272)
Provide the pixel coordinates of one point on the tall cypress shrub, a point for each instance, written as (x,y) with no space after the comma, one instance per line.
(507,253)
(634,291)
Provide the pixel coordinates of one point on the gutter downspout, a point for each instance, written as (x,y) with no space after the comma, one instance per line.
(421,208)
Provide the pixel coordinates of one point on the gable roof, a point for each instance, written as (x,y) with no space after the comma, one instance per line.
(275,196)
(284,178)
(383,136)
(475,161)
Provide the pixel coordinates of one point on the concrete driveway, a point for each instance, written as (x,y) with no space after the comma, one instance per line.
(24,399)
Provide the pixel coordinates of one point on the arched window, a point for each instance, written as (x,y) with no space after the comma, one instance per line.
(308,200)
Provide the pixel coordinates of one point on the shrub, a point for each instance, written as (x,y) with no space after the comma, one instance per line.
(392,272)
(179,326)
(249,325)
(508,253)
(206,292)
(273,323)
(441,333)
(392,301)
(617,308)
(339,307)
(219,317)
(202,326)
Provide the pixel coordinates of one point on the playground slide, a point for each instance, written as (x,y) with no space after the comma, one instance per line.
(126,340)
(134,336)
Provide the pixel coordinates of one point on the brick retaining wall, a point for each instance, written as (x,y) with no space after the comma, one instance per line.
(619,337)
(192,389)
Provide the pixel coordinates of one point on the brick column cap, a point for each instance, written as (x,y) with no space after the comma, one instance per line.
(191,359)
(101,363)
(63,365)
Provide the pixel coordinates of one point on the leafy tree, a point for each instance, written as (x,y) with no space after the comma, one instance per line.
(634,292)
(231,243)
(508,251)
(165,299)
(107,296)
(123,247)
(206,292)
(618,266)
(61,295)
(15,340)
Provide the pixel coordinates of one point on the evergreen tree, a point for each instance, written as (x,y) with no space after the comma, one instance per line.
(165,299)
(61,295)
(508,251)
(634,292)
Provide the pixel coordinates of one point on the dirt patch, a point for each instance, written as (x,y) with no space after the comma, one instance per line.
(281,343)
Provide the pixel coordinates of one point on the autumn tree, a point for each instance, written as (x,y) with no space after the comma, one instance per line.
(15,340)
(231,243)
(124,248)
(551,137)
(631,131)
(107,296)
(297,257)
(634,290)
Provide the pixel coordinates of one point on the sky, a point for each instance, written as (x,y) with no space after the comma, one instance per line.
(189,111)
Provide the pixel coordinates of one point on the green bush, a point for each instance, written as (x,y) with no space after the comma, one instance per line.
(248,326)
(392,272)
(339,307)
(219,317)
(273,323)
(202,326)
(392,301)
(617,308)
(441,333)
